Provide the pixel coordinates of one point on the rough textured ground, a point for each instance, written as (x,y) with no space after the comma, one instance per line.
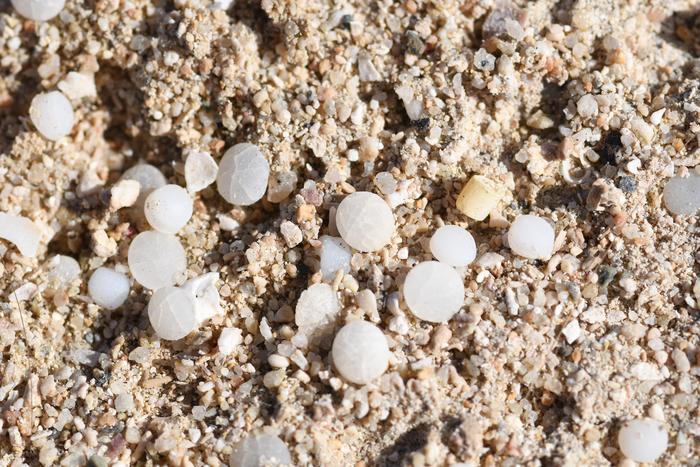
(547,358)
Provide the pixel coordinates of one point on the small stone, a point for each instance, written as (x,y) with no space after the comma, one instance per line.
(606,274)
(124,402)
(124,194)
(532,237)
(102,244)
(259,451)
(78,85)
(291,233)
(281,185)
(243,174)
(433,291)
(157,260)
(643,440)
(318,310)
(484,61)
(421,124)
(97,461)
(479,197)
(335,255)
(682,194)
(200,171)
(386,183)
(572,331)
(587,106)
(414,44)
(642,129)
(366,69)
(453,245)
(369,148)
(360,352)
(365,221)
(229,339)
(628,184)
(366,300)
(680,359)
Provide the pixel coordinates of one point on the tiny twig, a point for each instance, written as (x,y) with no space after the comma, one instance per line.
(29,363)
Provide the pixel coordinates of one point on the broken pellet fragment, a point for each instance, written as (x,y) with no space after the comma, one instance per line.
(479,197)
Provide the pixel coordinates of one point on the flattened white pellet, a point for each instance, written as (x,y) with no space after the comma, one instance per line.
(360,352)
(433,291)
(365,221)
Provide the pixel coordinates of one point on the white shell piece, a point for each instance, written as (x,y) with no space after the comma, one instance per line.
(21,231)
(204,295)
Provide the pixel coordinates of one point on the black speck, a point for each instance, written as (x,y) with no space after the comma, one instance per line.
(113,429)
(612,143)
(606,274)
(421,124)
(414,43)
(345,21)
(308,125)
(303,270)
(102,378)
(538,263)
(628,184)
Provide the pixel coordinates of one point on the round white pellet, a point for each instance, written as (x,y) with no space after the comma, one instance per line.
(682,194)
(643,440)
(38,10)
(168,209)
(365,221)
(108,288)
(243,174)
(360,352)
(149,178)
(433,291)
(335,254)
(156,260)
(318,310)
(532,237)
(171,313)
(260,451)
(52,115)
(61,271)
(453,245)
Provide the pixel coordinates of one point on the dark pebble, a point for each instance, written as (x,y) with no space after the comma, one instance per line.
(628,184)
(414,43)
(421,124)
(606,274)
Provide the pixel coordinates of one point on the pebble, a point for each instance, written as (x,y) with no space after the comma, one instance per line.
(643,440)
(335,255)
(108,288)
(52,115)
(532,237)
(200,171)
(156,260)
(433,291)
(171,313)
(360,352)
(318,310)
(229,339)
(453,245)
(292,233)
(365,221)
(682,194)
(281,185)
(243,175)
(38,10)
(260,451)
(124,194)
(124,402)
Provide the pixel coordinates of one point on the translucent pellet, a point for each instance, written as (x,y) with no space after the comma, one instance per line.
(682,194)
(433,291)
(61,271)
(360,352)
(108,288)
(171,313)
(168,209)
(52,115)
(260,451)
(532,237)
(365,221)
(453,245)
(335,254)
(643,440)
(157,260)
(243,175)
(38,10)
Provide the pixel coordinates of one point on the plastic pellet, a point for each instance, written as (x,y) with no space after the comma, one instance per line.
(643,440)
(453,245)
(365,221)
(532,237)
(52,115)
(168,209)
(260,451)
(108,288)
(433,291)
(479,196)
(360,352)
(243,175)
(157,260)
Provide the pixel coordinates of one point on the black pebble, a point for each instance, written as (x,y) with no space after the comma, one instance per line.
(606,274)
(421,124)
(345,21)
(628,184)
(612,143)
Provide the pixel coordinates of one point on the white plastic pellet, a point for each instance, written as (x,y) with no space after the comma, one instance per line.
(243,175)
(149,178)
(335,254)
(643,440)
(682,194)
(260,451)
(168,209)
(52,115)
(365,221)
(532,237)
(108,288)
(318,310)
(453,245)
(360,352)
(38,10)
(433,291)
(21,231)
(171,313)
(61,271)
(200,171)
(157,260)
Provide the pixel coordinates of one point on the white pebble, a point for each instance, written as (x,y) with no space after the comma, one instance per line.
(52,115)
(335,254)
(243,175)
(682,194)
(453,245)
(587,106)
(260,451)
(38,10)
(124,402)
(360,352)
(149,178)
(365,221)
(204,295)
(124,194)
(643,440)
(229,339)
(171,313)
(532,237)
(168,209)
(157,260)
(21,231)
(78,85)
(433,291)
(108,288)
(318,310)
(200,171)
(62,271)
